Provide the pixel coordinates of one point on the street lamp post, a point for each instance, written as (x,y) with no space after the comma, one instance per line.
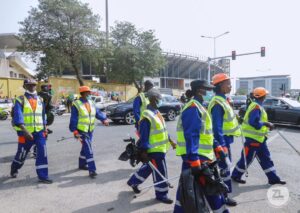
(215,52)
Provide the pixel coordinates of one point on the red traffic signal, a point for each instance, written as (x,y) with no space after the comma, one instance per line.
(233,55)
(262,51)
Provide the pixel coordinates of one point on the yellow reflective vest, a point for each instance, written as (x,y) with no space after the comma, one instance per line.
(158,137)
(86,119)
(249,131)
(206,134)
(33,120)
(230,122)
(145,102)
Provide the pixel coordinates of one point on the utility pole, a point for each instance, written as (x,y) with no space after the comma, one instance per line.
(215,53)
(106,21)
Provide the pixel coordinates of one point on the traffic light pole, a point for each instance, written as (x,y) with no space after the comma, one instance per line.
(261,52)
(229,56)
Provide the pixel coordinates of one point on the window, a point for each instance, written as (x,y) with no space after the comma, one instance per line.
(259,83)
(156,84)
(11,74)
(22,76)
(271,102)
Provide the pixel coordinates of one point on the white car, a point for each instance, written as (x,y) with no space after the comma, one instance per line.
(99,102)
(6,104)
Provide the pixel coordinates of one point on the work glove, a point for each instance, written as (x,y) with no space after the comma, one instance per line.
(269,125)
(143,156)
(77,135)
(45,133)
(221,153)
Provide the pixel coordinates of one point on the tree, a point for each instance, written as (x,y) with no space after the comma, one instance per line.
(62,32)
(136,54)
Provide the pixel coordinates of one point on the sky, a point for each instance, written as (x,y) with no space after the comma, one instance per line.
(179,24)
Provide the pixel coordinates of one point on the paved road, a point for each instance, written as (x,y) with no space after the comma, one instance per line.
(74,191)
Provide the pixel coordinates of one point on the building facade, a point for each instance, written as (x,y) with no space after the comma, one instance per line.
(181,69)
(277,85)
(12,64)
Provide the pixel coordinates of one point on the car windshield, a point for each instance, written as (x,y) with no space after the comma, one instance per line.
(169,98)
(291,102)
(239,97)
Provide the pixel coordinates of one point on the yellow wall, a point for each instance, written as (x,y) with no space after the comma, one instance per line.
(64,87)
(3,87)
(11,87)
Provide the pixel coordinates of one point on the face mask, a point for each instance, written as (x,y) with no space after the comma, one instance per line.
(31,93)
(158,103)
(89,97)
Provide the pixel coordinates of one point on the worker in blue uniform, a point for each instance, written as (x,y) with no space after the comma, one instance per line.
(141,101)
(29,121)
(225,127)
(195,141)
(153,145)
(255,128)
(82,124)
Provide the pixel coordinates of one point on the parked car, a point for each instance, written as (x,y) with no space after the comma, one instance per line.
(170,108)
(6,103)
(280,110)
(60,109)
(238,101)
(101,103)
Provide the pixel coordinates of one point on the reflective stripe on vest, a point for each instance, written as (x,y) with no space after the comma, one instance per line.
(158,137)
(248,130)
(230,123)
(33,120)
(206,135)
(86,119)
(145,102)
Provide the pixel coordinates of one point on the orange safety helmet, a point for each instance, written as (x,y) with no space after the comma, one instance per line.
(259,92)
(218,78)
(84,89)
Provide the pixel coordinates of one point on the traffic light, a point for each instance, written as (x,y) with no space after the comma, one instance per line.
(233,55)
(262,51)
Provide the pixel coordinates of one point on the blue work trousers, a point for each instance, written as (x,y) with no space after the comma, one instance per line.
(260,151)
(86,157)
(161,190)
(41,162)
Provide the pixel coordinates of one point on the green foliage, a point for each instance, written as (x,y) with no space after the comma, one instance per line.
(136,54)
(62,32)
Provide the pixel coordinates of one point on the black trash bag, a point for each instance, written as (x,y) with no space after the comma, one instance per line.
(214,184)
(131,153)
(191,193)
